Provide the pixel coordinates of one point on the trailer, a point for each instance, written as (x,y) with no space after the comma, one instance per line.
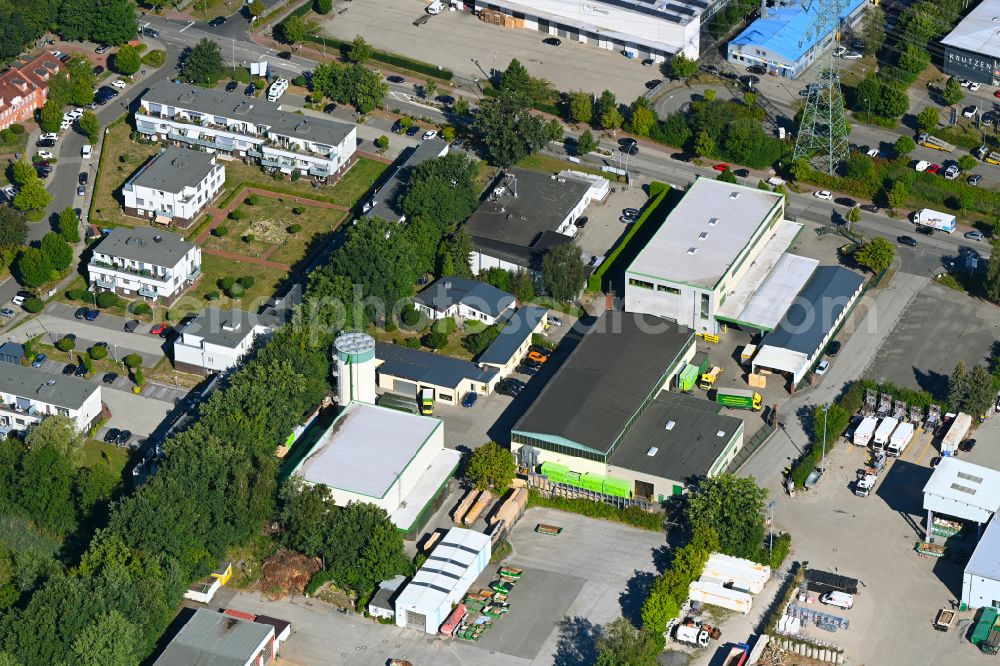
(454,620)
(987,155)
(957,431)
(899,410)
(944,619)
(884,404)
(739,399)
(916,415)
(881,437)
(863,433)
(548,530)
(933,417)
(925,217)
(871,398)
(931,141)
(900,438)
(692,634)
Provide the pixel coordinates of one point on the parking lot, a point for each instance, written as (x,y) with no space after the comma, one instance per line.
(455,39)
(604,226)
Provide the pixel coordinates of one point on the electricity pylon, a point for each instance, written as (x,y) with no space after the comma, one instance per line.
(822,137)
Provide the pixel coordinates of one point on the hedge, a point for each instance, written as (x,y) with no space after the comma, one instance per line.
(545,107)
(383,56)
(657,194)
(632,515)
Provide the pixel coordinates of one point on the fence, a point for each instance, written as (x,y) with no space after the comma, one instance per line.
(749,448)
(541,483)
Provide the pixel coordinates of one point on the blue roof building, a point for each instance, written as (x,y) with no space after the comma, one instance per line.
(784,39)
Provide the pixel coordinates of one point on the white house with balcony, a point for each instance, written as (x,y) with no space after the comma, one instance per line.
(28,395)
(216,340)
(144,262)
(231,125)
(174,187)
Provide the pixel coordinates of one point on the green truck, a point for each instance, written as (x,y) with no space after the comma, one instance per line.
(739,399)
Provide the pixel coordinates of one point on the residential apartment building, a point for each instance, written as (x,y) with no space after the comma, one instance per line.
(174,187)
(255,130)
(144,262)
(28,395)
(215,340)
(25,87)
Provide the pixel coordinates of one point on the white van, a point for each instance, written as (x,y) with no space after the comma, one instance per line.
(922,165)
(838,599)
(276,90)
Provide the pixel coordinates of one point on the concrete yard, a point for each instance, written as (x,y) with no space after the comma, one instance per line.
(939,328)
(453,39)
(604,228)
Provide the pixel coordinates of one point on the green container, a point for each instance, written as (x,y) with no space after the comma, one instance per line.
(700,361)
(688,378)
(617,487)
(987,620)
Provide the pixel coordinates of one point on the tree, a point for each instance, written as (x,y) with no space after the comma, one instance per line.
(13,228)
(60,434)
(621,644)
(90,125)
(443,191)
(981,392)
(873,31)
(854,215)
(586,143)
(642,120)
(203,63)
(127,61)
(992,282)
(382,143)
(82,82)
(32,196)
(905,145)
(33,267)
(913,59)
(710,94)
(66,344)
(508,129)
(581,107)
(295,28)
(491,466)
(952,93)
(734,507)
(460,106)
(57,251)
(682,67)
(319,6)
(69,225)
(133,361)
(360,51)
(111,640)
(831,421)
(256,8)
(612,119)
(727,176)
(928,119)
(876,255)
(50,116)
(858,166)
(429,88)
(898,195)
(893,101)
(605,103)
(369,89)
(21,172)
(958,385)
(704,144)
(562,271)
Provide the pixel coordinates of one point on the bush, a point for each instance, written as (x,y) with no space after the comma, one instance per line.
(476,343)
(249,238)
(412,343)
(76,294)
(246,281)
(252,200)
(434,340)
(410,316)
(133,361)
(97,353)
(17,129)
(108,299)
(299,81)
(294,228)
(226,283)
(140,308)
(6,136)
(154,58)
(33,304)
(65,344)
(782,546)
(237,214)
(235,291)
(298,210)
(213,296)
(630,516)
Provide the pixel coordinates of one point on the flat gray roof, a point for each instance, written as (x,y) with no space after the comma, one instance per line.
(816,309)
(600,386)
(385,197)
(523,226)
(416,365)
(35,384)
(225,328)
(977,32)
(366,448)
(249,109)
(448,290)
(985,561)
(214,639)
(691,446)
(705,233)
(516,332)
(144,244)
(173,169)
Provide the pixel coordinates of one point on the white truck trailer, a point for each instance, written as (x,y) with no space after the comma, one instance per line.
(956,433)
(899,440)
(881,437)
(925,217)
(863,433)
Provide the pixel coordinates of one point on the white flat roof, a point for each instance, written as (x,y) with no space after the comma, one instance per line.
(705,234)
(977,32)
(435,581)
(985,561)
(366,449)
(429,482)
(769,288)
(963,490)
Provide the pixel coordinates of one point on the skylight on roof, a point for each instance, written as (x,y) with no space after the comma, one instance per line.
(703,235)
(669,426)
(963,489)
(713,221)
(652,451)
(692,250)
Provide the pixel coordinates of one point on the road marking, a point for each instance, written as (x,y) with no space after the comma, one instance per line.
(924,452)
(191,23)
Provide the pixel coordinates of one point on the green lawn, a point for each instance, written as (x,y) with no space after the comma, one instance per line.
(105,208)
(345,192)
(358,180)
(214,268)
(96,452)
(549,164)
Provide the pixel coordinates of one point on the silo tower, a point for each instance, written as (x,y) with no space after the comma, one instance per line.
(354,367)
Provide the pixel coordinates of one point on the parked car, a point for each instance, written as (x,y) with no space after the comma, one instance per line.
(110,377)
(69,369)
(118,83)
(853,55)
(395,79)
(18,300)
(870,208)
(970,111)
(845,201)
(926,231)
(81,313)
(413,131)
(469,399)
(232,86)
(7,313)
(629,149)
(45,155)
(833,349)
(250,90)
(158,329)
(537,356)
(39,360)
(123,438)
(397,127)
(151,32)
(974,179)
(630,212)
(81,190)
(825,195)
(131,325)
(526,370)
(92,315)
(217,21)
(757,69)
(974,235)
(103,48)
(722,166)
(430,134)
(907,240)
(81,371)
(967,445)
(554,321)
(822,367)
(581,222)
(111,436)
(285,55)
(552,41)
(46,143)
(82,178)
(934,168)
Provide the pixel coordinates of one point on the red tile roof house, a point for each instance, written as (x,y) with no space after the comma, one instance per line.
(25,87)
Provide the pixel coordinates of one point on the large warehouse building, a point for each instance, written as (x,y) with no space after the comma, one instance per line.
(784,39)
(655,29)
(972,49)
(616,423)
(385,457)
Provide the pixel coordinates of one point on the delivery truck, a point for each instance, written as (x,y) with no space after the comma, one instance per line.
(931,141)
(899,439)
(863,435)
(957,431)
(739,399)
(925,217)
(987,155)
(880,440)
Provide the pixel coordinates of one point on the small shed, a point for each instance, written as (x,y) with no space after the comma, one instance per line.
(383,602)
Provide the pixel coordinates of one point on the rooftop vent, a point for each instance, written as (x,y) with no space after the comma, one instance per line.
(721,433)
(734,195)
(713,221)
(230,326)
(692,250)
(670,425)
(703,235)
(652,451)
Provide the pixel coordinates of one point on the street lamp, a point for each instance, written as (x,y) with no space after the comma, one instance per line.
(770,544)
(869,103)
(822,465)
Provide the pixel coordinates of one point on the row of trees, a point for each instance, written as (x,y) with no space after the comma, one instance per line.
(73,86)
(971,391)
(106,22)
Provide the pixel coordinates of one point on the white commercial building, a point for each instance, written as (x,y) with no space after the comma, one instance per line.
(174,187)
(258,131)
(144,262)
(450,570)
(981,579)
(657,29)
(962,490)
(28,395)
(382,456)
(215,340)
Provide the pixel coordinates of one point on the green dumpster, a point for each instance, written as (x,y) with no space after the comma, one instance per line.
(987,620)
